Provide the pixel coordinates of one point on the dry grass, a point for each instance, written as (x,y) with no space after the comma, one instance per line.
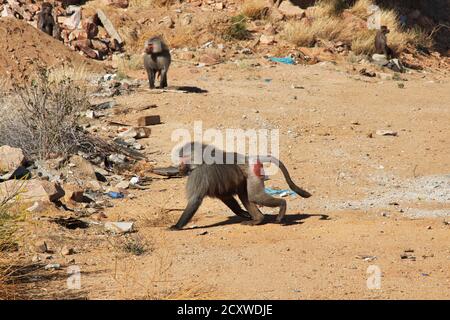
(164,3)
(398,39)
(363,42)
(361,8)
(333,7)
(9,225)
(128,62)
(140,3)
(305,33)
(79,74)
(254,9)
(323,23)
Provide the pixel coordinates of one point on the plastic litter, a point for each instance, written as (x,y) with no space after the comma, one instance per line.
(116,195)
(285,60)
(280,192)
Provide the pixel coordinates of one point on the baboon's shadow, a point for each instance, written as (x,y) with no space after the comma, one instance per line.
(190,89)
(289,220)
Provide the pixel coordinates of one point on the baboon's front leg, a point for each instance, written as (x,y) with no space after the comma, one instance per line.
(188,213)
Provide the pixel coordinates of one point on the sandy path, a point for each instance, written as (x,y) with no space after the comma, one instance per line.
(324,141)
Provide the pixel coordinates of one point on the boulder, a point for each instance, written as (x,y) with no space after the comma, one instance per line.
(380,59)
(73,193)
(290,10)
(266,39)
(31,191)
(10,159)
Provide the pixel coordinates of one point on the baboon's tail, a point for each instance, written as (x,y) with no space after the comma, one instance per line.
(291,184)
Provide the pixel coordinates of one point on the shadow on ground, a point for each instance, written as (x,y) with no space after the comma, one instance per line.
(289,220)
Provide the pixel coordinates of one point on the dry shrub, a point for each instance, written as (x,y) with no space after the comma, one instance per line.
(254,9)
(237,29)
(42,119)
(334,7)
(305,33)
(361,8)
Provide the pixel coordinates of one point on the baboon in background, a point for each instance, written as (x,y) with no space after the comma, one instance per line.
(46,22)
(243,177)
(381,46)
(156,60)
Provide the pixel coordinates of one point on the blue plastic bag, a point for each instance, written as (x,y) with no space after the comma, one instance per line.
(285,60)
(116,195)
(277,192)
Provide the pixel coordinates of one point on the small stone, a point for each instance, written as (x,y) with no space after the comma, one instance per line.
(66,251)
(52,266)
(99,216)
(386,133)
(266,39)
(41,247)
(123,185)
(119,227)
(37,206)
(149,120)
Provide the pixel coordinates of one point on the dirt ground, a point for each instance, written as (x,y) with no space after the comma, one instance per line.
(373,197)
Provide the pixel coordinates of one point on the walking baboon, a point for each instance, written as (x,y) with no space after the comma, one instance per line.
(222,175)
(156,60)
(381,46)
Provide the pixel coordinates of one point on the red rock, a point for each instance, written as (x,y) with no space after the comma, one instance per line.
(90,28)
(85,47)
(100,46)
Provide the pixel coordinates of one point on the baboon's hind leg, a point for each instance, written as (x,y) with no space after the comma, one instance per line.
(235,207)
(266,200)
(256,215)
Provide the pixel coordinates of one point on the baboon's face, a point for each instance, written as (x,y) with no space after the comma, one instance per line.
(47,9)
(149,48)
(385,30)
